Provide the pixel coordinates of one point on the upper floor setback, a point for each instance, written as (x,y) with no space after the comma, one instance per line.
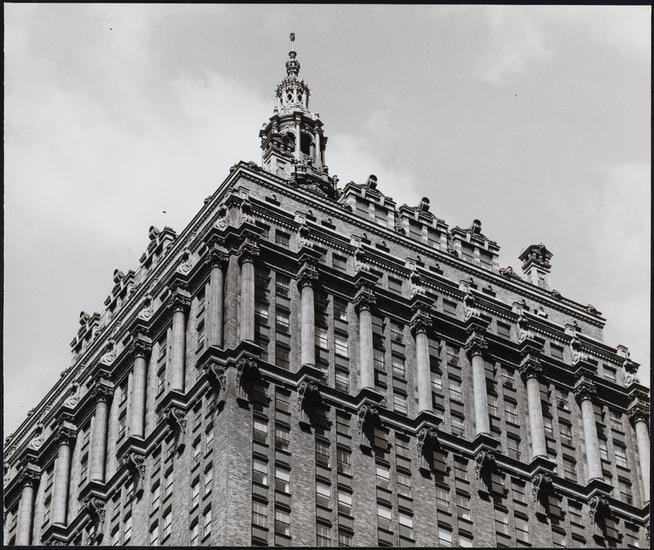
(288,221)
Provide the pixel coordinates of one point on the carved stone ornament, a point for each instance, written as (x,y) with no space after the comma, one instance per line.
(186,263)
(308,394)
(94,506)
(524,332)
(246,212)
(100,392)
(221,222)
(476,344)
(598,509)
(471,309)
(577,353)
(216,375)
(426,441)
(147,309)
(365,298)
(420,322)
(541,489)
(630,366)
(110,354)
(308,275)
(638,412)
(140,347)
(248,251)
(72,400)
(29,477)
(585,388)
(65,435)
(367,416)
(175,417)
(530,367)
(247,372)
(136,466)
(629,379)
(484,465)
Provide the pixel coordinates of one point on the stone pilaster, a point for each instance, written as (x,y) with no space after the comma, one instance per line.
(247,254)
(530,370)
(420,324)
(66,438)
(476,346)
(639,416)
(364,301)
(218,261)
(29,480)
(102,396)
(141,351)
(180,304)
(306,278)
(585,390)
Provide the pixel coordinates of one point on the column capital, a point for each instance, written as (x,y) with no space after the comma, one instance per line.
(638,412)
(476,344)
(65,435)
(141,346)
(584,388)
(29,477)
(530,367)
(420,322)
(101,392)
(217,258)
(180,300)
(364,299)
(248,251)
(307,275)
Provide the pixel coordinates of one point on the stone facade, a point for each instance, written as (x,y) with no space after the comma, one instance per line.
(308,364)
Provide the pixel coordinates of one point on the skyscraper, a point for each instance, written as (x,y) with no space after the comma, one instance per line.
(312,364)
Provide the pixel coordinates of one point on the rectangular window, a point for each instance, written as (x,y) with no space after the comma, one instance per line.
(323,494)
(195,492)
(344,502)
(556,351)
(344,539)
(260,431)
(458,425)
(259,514)
(340,310)
(504,330)
(521,529)
(404,483)
(282,480)
(341,344)
(339,262)
(154,534)
(609,373)
(444,536)
(282,320)
(406,525)
(463,506)
(394,285)
(282,285)
(323,535)
(260,472)
(195,533)
(344,461)
(282,438)
(511,412)
(455,390)
(399,403)
(282,239)
(342,381)
(443,496)
(399,369)
(383,474)
(282,356)
(282,522)
(620,456)
(206,522)
(501,522)
(322,453)
(449,307)
(384,517)
(167,524)
(513,447)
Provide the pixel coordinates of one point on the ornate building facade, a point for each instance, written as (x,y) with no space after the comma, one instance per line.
(310,364)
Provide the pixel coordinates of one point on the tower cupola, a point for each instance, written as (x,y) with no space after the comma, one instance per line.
(293,140)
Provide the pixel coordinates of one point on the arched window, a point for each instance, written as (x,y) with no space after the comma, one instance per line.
(306,143)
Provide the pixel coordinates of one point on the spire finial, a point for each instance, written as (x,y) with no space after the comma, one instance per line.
(292,37)
(292,65)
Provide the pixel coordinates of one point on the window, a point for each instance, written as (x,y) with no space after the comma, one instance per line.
(404,483)
(259,514)
(383,473)
(503,330)
(565,430)
(513,447)
(399,403)
(282,285)
(281,238)
(282,320)
(323,535)
(322,453)
(384,517)
(344,539)
(344,502)
(501,522)
(624,486)
(449,307)
(282,354)
(340,309)
(460,469)
(342,424)
(341,344)
(444,536)
(406,525)
(604,451)
(342,380)
(610,373)
(282,438)
(511,412)
(206,522)
(155,495)
(260,431)
(556,352)
(443,496)
(463,506)
(195,492)
(282,522)
(558,539)
(282,480)
(569,467)
(455,390)
(458,425)
(323,494)
(344,461)
(167,523)
(399,370)
(208,480)
(339,262)
(195,533)
(260,472)
(465,540)
(394,285)
(521,529)
(620,456)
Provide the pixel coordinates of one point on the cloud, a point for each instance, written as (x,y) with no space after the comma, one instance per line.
(513,44)
(623,239)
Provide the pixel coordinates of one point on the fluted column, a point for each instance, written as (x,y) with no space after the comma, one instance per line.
(178,352)
(530,369)
(420,323)
(364,301)
(297,139)
(26,508)
(318,155)
(66,437)
(639,415)
(141,351)
(247,253)
(215,301)
(102,396)
(475,347)
(584,391)
(308,274)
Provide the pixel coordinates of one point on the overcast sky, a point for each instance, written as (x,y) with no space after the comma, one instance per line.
(534,120)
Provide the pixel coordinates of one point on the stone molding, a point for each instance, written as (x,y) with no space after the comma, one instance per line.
(364,299)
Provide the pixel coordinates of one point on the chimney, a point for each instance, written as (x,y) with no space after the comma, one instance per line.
(536,265)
